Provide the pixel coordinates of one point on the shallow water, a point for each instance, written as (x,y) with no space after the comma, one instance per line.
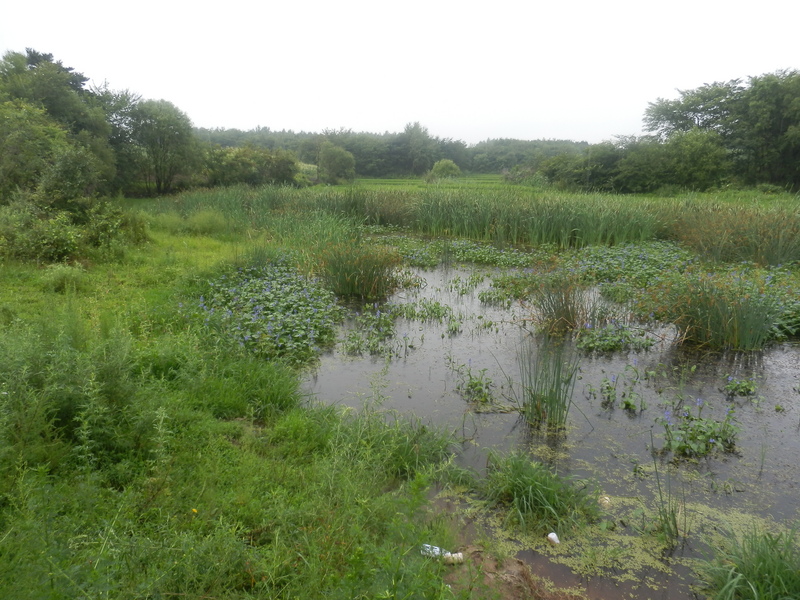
(607,445)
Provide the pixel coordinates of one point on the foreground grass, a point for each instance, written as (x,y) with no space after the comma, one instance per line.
(144,455)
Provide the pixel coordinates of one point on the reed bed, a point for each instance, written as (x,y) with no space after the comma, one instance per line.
(757,566)
(722,229)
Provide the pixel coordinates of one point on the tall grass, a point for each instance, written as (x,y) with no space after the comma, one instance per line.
(766,235)
(163,463)
(547,381)
(561,303)
(356,270)
(538,499)
(742,229)
(722,311)
(756,566)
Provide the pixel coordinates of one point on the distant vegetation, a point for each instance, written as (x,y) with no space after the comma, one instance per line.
(61,140)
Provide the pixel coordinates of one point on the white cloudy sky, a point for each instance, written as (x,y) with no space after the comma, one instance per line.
(562,69)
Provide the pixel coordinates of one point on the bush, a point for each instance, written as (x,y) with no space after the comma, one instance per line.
(444,169)
(63,278)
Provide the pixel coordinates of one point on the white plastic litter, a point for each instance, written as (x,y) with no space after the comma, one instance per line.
(449,558)
(553,538)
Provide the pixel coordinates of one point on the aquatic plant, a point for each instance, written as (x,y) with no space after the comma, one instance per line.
(272,311)
(739,387)
(372,331)
(561,304)
(611,338)
(547,381)
(475,386)
(668,507)
(354,269)
(687,433)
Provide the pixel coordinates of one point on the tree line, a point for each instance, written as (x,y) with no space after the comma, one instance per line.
(735,133)
(61,140)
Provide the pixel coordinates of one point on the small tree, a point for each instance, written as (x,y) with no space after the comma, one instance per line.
(335,164)
(166,140)
(444,169)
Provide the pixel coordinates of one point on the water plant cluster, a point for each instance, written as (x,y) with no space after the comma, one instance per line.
(613,337)
(688,434)
(273,311)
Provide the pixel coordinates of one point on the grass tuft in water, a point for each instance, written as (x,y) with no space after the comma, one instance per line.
(547,377)
(538,499)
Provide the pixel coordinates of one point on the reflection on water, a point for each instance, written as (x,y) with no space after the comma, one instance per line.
(430,366)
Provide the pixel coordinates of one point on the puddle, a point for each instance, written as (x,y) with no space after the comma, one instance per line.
(427,373)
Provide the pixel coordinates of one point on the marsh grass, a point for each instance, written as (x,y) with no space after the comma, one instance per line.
(562,304)
(736,233)
(547,381)
(755,566)
(356,270)
(669,507)
(721,314)
(538,499)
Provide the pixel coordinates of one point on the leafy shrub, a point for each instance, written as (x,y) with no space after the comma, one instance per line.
(444,169)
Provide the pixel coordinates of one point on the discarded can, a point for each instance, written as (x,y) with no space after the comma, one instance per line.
(553,538)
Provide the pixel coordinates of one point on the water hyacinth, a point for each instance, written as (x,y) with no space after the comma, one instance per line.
(273,311)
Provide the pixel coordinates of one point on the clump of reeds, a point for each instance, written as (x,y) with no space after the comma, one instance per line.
(562,304)
(738,233)
(719,312)
(547,380)
(355,270)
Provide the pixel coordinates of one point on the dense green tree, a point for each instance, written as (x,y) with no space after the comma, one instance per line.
(335,164)
(709,107)
(250,165)
(166,141)
(41,81)
(757,123)
(29,143)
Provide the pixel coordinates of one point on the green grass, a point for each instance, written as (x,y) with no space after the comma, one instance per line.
(758,565)
(146,454)
(537,499)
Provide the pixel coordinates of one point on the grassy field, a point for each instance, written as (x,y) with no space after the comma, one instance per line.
(155,443)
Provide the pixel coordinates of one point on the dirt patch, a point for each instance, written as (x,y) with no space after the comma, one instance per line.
(484,576)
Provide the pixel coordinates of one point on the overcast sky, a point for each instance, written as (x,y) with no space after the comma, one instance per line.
(580,70)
